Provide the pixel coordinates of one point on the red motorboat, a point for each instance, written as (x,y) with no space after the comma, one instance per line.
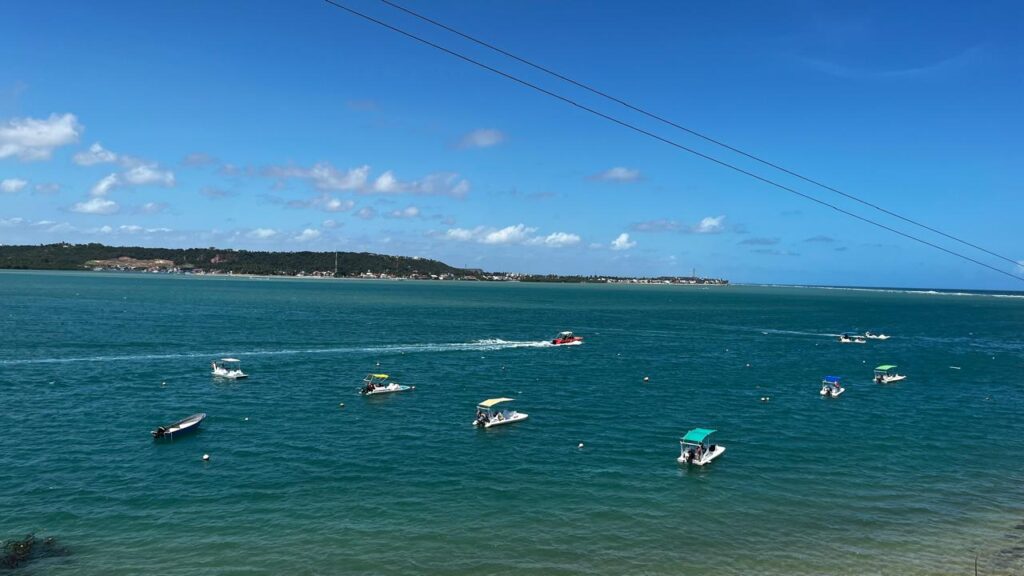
(564,338)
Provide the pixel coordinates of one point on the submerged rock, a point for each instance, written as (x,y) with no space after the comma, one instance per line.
(20,552)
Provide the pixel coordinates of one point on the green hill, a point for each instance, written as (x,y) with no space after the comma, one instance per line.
(88,256)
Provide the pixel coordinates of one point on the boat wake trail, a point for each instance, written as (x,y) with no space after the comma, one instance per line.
(477,346)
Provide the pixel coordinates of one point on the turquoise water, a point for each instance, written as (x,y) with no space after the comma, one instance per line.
(911,478)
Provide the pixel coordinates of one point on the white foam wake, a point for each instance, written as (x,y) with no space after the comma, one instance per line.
(479,345)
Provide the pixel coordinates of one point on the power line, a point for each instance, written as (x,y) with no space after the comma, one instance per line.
(691,131)
(662,139)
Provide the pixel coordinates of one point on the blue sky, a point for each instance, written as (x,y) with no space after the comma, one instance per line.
(293,125)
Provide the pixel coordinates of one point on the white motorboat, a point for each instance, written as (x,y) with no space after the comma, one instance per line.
(886,374)
(228,368)
(847,339)
(694,447)
(871,336)
(376,384)
(488,414)
(831,387)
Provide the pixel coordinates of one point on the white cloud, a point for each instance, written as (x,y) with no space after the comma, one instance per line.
(482,138)
(198,159)
(96,154)
(307,234)
(323,176)
(105,185)
(618,174)
(557,240)
(148,174)
(329,224)
(622,242)
(508,235)
(366,213)
(96,205)
(1020,266)
(262,233)
(332,204)
(407,212)
(131,228)
(12,185)
(517,234)
(105,229)
(152,207)
(11,222)
(35,139)
(709,225)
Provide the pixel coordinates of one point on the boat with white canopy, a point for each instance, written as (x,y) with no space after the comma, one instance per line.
(377,384)
(695,448)
(831,386)
(886,373)
(228,368)
(489,414)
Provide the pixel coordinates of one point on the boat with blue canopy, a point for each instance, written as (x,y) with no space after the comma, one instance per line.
(831,386)
(886,373)
(696,448)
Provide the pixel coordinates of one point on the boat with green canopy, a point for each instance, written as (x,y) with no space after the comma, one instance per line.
(886,373)
(489,414)
(375,384)
(696,448)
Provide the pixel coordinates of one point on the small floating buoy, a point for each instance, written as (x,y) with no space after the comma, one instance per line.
(246,418)
(206,457)
(748,365)
(341,404)
(765,398)
(580,446)
(647,378)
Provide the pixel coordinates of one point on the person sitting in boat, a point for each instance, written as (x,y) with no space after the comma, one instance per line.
(699,452)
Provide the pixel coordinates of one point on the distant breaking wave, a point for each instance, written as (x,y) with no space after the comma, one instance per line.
(477,346)
(900,290)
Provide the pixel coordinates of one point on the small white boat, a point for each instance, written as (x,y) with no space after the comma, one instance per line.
(375,384)
(183,426)
(488,415)
(847,339)
(886,374)
(871,336)
(831,387)
(228,368)
(694,447)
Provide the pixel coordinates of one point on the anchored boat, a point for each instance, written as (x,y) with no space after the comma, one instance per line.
(695,448)
(831,387)
(376,384)
(564,338)
(886,373)
(190,424)
(488,414)
(228,368)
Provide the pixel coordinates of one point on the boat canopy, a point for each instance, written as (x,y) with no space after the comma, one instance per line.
(886,367)
(566,333)
(832,379)
(697,435)
(379,375)
(230,360)
(494,401)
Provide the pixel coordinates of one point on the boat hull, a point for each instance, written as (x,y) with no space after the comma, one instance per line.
(515,417)
(705,459)
(233,375)
(180,428)
(387,390)
(832,393)
(890,380)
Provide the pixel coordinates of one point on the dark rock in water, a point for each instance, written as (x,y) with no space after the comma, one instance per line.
(19,552)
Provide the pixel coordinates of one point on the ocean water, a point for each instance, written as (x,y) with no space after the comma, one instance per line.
(921,477)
